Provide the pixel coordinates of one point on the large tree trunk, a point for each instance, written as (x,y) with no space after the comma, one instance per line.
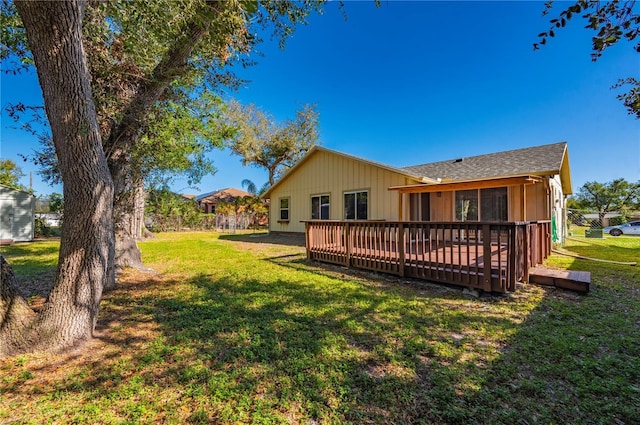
(85,264)
(128,215)
(127,133)
(15,313)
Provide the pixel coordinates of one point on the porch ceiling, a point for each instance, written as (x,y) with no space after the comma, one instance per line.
(465,185)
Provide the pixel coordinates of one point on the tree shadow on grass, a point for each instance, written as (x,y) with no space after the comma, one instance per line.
(572,361)
(30,258)
(285,346)
(287,239)
(330,349)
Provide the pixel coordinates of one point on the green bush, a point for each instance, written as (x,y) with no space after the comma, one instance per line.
(616,221)
(41,229)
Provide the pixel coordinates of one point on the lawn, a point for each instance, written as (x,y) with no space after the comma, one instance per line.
(233,330)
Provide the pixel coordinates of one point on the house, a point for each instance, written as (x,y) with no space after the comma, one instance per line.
(16,215)
(209,201)
(482,222)
(50,219)
(520,185)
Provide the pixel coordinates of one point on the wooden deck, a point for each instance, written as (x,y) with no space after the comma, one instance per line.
(486,256)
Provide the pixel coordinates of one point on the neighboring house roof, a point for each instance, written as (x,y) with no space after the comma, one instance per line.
(316,149)
(223,195)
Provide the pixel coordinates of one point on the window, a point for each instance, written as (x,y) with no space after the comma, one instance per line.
(467,205)
(284,209)
(493,204)
(488,204)
(320,207)
(419,207)
(356,205)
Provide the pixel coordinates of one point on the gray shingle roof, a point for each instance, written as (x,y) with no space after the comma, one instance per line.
(537,160)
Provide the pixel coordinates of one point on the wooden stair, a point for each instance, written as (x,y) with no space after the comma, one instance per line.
(565,279)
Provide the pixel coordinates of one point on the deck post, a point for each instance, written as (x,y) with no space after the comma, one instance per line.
(347,244)
(526,250)
(307,232)
(511,266)
(401,242)
(486,253)
(548,242)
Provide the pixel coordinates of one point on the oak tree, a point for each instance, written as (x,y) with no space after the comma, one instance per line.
(176,43)
(607,197)
(85,263)
(263,142)
(10,174)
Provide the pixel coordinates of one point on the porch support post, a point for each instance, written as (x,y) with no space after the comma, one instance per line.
(400,198)
(486,253)
(524,202)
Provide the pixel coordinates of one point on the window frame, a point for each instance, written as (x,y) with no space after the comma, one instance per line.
(479,200)
(420,206)
(495,199)
(457,210)
(320,206)
(356,210)
(282,209)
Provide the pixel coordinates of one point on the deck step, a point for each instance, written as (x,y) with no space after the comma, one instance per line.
(565,279)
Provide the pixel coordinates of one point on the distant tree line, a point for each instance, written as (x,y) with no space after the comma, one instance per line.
(169,211)
(618,196)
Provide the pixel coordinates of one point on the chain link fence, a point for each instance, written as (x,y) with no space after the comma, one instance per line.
(595,220)
(230,223)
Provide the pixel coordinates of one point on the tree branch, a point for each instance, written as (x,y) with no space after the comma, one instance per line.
(172,66)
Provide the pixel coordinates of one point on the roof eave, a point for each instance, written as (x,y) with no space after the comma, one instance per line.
(456,184)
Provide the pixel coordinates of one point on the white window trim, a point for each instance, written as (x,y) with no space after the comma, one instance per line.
(479,200)
(320,205)
(280,209)
(356,206)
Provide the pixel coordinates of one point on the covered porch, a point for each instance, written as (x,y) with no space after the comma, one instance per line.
(491,256)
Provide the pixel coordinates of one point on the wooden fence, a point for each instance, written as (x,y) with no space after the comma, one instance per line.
(480,255)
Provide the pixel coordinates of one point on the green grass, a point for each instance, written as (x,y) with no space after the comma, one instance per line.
(238,332)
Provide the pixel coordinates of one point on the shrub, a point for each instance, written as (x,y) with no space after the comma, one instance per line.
(41,229)
(616,221)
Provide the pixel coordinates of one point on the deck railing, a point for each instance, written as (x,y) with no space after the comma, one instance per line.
(481,255)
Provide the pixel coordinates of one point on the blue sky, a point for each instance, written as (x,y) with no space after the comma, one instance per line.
(415,82)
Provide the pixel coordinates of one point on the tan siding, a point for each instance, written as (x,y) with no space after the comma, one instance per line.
(537,208)
(329,173)
(442,206)
(325,172)
(515,203)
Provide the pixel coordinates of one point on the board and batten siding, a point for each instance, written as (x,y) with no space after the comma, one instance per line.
(326,173)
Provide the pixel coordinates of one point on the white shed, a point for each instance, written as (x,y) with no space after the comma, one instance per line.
(16,215)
